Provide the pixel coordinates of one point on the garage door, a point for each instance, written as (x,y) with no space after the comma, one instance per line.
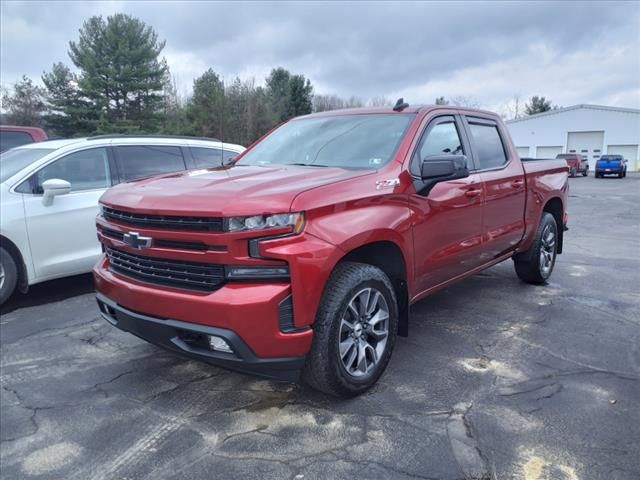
(548,152)
(629,152)
(523,151)
(587,144)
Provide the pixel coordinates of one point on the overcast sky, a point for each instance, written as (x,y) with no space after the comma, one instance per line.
(569,52)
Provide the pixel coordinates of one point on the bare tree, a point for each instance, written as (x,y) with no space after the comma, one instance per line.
(323,103)
(380,101)
(464,101)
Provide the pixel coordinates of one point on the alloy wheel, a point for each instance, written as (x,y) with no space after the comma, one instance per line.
(364,330)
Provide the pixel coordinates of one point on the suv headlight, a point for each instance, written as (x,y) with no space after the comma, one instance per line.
(261,222)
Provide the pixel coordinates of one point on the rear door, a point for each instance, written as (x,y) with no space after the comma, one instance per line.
(504,183)
(447,227)
(62,236)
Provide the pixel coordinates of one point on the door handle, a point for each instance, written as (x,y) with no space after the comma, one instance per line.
(517,183)
(472,192)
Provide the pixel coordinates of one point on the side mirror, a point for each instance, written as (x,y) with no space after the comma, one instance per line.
(439,168)
(52,188)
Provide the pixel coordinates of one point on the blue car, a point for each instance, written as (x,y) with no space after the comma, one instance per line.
(611,165)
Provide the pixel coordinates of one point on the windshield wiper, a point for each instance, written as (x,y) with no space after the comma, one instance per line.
(308,164)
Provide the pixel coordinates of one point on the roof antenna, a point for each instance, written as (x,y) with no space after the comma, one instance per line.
(400,105)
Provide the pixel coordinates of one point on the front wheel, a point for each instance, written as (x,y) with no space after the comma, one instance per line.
(354,331)
(8,275)
(536,264)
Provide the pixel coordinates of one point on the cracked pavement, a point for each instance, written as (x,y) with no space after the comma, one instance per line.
(497,380)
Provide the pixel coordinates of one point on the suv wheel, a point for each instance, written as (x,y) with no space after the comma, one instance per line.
(536,264)
(585,173)
(8,275)
(573,172)
(354,331)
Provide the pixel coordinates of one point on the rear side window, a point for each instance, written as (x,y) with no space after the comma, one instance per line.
(84,170)
(9,139)
(141,161)
(488,145)
(206,157)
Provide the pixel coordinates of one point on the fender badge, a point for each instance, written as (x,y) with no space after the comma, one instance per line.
(389,183)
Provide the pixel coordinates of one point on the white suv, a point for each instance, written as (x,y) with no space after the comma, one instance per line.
(49,195)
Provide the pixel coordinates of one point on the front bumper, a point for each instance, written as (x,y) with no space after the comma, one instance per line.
(191,340)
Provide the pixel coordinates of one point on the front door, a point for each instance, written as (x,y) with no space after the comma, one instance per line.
(447,226)
(62,236)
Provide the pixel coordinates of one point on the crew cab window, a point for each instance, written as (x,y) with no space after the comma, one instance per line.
(442,139)
(488,145)
(84,170)
(10,139)
(139,161)
(206,157)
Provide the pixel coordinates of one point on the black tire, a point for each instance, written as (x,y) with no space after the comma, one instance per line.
(573,172)
(621,175)
(324,369)
(8,275)
(585,173)
(529,265)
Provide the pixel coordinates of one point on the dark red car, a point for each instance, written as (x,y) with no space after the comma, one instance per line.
(305,255)
(576,162)
(12,136)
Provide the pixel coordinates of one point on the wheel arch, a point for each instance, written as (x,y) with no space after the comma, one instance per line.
(554,207)
(388,257)
(14,251)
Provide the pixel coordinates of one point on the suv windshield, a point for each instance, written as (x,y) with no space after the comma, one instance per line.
(348,141)
(14,160)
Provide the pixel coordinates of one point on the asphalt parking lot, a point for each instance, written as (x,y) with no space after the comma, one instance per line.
(497,379)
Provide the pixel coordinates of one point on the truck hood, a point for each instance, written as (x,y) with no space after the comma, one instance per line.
(238,190)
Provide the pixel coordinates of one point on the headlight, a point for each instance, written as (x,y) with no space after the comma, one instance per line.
(260,222)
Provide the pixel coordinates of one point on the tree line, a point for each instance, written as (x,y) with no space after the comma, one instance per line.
(124,85)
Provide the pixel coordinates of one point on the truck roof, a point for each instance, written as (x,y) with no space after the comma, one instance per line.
(389,110)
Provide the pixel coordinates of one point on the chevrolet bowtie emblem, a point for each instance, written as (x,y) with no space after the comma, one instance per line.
(134,240)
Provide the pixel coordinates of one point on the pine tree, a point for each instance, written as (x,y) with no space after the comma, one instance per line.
(206,107)
(25,106)
(121,72)
(68,113)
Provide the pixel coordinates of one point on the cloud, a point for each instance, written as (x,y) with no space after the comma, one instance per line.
(571,52)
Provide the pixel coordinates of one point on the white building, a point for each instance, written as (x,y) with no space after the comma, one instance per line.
(590,130)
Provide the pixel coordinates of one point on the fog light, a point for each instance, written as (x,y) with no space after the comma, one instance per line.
(219,344)
(257,272)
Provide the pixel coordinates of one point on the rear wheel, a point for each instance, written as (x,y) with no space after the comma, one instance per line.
(585,173)
(354,331)
(573,172)
(8,275)
(536,264)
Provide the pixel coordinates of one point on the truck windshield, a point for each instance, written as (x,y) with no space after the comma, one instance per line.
(14,160)
(348,141)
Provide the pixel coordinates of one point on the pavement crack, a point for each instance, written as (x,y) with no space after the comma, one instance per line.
(464,445)
(98,386)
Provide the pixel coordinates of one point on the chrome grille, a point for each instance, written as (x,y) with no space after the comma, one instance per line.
(170,273)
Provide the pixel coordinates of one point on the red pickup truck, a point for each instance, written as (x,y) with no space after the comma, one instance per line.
(576,163)
(304,255)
